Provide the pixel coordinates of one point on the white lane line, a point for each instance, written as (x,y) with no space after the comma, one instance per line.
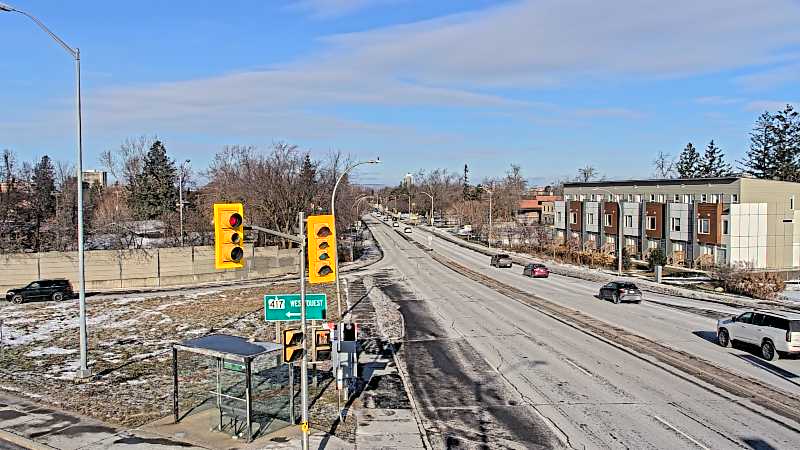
(578,367)
(669,425)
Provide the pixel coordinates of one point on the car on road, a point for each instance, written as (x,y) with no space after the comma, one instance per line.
(395,224)
(776,332)
(536,270)
(501,260)
(56,289)
(620,291)
(407,230)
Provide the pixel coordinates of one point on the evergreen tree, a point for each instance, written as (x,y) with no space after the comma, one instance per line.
(713,163)
(152,192)
(468,195)
(760,159)
(785,132)
(42,200)
(688,162)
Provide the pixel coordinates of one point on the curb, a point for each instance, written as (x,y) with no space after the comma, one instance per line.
(22,441)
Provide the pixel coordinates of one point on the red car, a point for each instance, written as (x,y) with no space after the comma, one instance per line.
(536,271)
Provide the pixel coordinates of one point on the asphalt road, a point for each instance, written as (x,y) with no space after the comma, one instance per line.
(489,372)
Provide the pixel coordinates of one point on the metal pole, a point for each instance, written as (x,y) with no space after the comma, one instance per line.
(291,394)
(180,201)
(304,330)
(490,219)
(431,210)
(175,383)
(83,371)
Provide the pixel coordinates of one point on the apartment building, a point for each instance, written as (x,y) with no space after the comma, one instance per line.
(701,220)
(537,210)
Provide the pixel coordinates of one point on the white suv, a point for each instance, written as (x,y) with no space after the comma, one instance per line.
(777,332)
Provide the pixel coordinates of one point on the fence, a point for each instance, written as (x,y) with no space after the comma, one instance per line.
(113,269)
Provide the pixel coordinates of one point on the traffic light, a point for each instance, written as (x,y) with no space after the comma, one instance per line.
(322,345)
(228,235)
(292,345)
(349,332)
(321,234)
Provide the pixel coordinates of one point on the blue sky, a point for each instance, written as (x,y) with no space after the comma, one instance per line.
(551,85)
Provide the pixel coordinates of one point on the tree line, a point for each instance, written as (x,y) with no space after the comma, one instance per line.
(774,153)
(38,200)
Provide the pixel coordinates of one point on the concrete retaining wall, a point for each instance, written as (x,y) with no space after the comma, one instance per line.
(114,269)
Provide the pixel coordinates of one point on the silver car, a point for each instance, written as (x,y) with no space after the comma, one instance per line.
(620,291)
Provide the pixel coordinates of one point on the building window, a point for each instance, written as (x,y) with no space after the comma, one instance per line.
(628,221)
(725,226)
(652,197)
(611,240)
(608,220)
(676,224)
(652,245)
(677,246)
(706,250)
(677,197)
(702,226)
(573,218)
(704,198)
(661,198)
(734,198)
(638,198)
(630,197)
(558,214)
(714,198)
(582,197)
(567,196)
(687,198)
(791,202)
(651,222)
(630,244)
(592,238)
(590,219)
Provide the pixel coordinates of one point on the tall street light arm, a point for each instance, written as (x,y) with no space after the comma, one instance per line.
(83,371)
(333,213)
(431,196)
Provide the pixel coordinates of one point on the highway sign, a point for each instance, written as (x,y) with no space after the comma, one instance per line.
(283,307)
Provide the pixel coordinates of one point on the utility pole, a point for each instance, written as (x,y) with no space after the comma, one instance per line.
(303,329)
(180,194)
(429,195)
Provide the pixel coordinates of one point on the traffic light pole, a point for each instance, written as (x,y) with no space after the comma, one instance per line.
(304,365)
(301,240)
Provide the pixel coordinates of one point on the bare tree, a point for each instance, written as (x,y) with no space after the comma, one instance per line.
(664,165)
(588,173)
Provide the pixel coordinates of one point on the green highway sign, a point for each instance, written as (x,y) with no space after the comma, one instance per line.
(284,307)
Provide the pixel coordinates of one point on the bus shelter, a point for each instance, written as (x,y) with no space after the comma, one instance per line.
(230,353)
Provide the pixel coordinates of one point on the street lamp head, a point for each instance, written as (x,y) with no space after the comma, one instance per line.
(374,161)
(6,8)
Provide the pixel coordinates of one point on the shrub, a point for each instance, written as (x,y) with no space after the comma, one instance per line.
(656,257)
(626,260)
(740,279)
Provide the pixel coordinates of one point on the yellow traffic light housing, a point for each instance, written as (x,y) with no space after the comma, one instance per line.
(321,237)
(322,345)
(292,345)
(228,235)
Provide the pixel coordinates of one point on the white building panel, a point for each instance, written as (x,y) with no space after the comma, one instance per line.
(748,227)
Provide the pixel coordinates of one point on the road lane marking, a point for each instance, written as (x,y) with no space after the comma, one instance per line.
(578,367)
(669,425)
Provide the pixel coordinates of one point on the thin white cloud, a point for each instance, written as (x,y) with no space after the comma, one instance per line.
(771,78)
(329,9)
(716,100)
(769,105)
(620,113)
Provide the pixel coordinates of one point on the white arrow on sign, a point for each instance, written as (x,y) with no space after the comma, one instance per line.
(289,314)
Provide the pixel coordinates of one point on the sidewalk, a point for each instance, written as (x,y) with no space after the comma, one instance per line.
(25,424)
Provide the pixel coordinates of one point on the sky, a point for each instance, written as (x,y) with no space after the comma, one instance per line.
(550,85)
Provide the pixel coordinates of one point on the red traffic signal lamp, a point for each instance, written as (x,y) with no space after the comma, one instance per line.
(292,345)
(321,237)
(228,235)
(322,345)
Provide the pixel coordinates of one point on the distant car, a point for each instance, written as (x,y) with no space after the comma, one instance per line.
(621,291)
(57,290)
(501,260)
(776,332)
(395,224)
(536,271)
(407,230)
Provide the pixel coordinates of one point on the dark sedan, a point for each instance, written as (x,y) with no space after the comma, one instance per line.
(57,290)
(621,291)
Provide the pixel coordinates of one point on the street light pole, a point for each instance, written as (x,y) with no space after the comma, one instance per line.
(83,371)
(620,223)
(490,214)
(333,213)
(180,194)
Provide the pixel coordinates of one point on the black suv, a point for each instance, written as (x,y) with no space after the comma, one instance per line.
(57,290)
